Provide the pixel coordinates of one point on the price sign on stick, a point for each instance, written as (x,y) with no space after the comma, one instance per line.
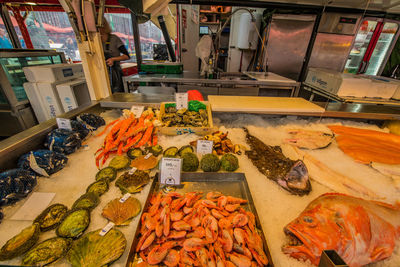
(204,146)
(137,111)
(64,123)
(170,171)
(181,100)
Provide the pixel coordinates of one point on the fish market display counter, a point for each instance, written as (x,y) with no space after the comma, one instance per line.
(277,204)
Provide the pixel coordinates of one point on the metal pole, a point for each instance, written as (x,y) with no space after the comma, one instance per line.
(310,47)
(9,27)
(136,39)
(167,38)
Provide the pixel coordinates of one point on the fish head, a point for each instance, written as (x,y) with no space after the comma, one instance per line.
(296,180)
(315,230)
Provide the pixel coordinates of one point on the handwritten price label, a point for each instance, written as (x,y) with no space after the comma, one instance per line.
(64,123)
(181,100)
(204,146)
(137,111)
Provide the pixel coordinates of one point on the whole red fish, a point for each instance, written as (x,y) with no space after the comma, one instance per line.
(360,231)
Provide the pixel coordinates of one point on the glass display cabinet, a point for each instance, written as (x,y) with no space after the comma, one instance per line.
(16,113)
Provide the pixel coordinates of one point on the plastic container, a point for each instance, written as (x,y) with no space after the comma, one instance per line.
(163,68)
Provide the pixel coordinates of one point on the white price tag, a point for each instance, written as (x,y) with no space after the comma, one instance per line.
(34,166)
(125,197)
(204,146)
(137,111)
(170,171)
(132,171)
(106,228)
(181,100)
(148,156)
(64,123)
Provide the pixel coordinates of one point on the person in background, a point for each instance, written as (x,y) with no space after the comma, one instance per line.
(71,47)
(114,52)
(22,41)
(4,42)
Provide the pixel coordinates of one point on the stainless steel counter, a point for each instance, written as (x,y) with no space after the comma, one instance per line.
(126,100)
(348,99)
(271,80)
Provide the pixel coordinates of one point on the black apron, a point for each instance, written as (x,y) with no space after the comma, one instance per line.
(114,71)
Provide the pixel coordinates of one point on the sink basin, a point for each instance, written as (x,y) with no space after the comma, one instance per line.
(233,76)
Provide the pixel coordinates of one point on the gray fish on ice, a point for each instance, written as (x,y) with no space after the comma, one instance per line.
(289,174)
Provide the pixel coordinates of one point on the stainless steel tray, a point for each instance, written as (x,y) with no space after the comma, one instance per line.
(233,184)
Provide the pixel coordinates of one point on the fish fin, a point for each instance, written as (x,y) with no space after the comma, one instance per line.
(380,253)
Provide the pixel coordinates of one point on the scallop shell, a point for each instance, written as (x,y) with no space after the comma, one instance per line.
(92,249)
(46,252)
(121,213)
(142,163)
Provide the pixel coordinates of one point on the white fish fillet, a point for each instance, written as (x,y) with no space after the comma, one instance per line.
(393,171)
(309,139)
(338,182)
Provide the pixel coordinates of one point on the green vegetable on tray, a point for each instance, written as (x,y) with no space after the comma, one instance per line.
(229,162)
(190,162)
(51,217)
(20,243)
(119,162)
(210,163)
(195,105)
(108,173)
(47,252)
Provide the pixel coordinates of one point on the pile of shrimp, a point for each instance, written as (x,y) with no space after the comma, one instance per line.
(128,132)
(188,230)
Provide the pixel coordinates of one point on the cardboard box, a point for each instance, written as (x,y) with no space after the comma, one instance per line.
(188,129)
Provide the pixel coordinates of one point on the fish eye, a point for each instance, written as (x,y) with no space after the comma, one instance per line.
(308,219)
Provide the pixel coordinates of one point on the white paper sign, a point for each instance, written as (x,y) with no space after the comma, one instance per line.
(137,111)
(125,197)
(33,206)
(34,166)
(148,156)
(204,146)
(170,171)
(64,123)
(132,171)
(106,228)
(181,100)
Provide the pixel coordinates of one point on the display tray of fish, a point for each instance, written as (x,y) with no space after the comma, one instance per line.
(210,219)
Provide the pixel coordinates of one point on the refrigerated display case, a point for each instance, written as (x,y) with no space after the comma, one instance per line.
(16,113)
(372,46)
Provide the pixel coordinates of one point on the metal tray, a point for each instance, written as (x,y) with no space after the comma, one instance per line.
(233,184)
